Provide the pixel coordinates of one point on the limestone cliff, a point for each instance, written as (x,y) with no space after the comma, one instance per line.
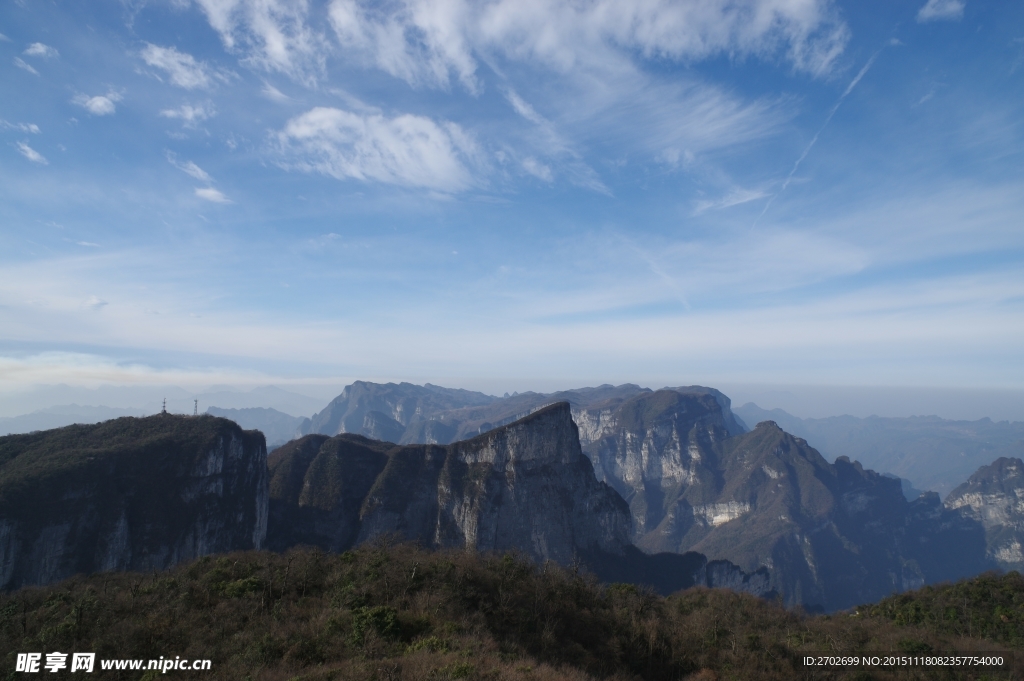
(525,486)
(128,494)
(831,535)
(653,446)
(994,496)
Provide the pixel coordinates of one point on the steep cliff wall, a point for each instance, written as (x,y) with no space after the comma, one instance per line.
(128,494)
(317,488)
(831,535)
(524,486)
(994,496)
(653,446)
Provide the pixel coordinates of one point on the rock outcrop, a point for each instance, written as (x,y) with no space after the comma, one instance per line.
(994,497)
(128,494)
(831,535)
(640,441)
(652,446)
(525,486)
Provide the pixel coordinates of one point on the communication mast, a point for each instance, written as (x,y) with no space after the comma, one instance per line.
(195,412)
(164,410)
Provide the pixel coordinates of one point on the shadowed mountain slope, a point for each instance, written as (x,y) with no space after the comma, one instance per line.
(832,535)
(128,494)
(525,486)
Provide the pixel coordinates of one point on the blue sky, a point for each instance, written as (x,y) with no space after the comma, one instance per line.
(512,194)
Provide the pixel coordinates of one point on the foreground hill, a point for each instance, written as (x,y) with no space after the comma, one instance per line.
(128,494)
(399,613)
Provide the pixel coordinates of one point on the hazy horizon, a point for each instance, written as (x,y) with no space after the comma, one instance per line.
(802,401)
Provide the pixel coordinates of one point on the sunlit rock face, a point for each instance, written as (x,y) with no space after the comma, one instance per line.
(652,446)
(994,496)
(128,494)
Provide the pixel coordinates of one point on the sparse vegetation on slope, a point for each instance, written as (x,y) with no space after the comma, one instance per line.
(397,612)
(990,606)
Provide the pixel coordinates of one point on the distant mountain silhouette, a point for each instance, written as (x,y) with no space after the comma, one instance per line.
(932,453)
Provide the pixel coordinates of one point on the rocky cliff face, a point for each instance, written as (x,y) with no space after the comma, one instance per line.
(641,442)
(994,496)
(129,494)
(526,486)
(385,411)
(832,535)
(654,445)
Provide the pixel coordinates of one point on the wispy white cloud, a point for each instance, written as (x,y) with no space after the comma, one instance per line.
(427,42)
(189,115)
(80,369)
(98,105)
(94,303)
(736,197)
(20,127)
(181,68)
(934,10)
(828,119)
(421,42)
(406,150)
(537,169)
(273,94)
(211,194)
(189,168)
(271,34)
(31,154)
(41,50)
(27,67)
(544,140)
(4,39)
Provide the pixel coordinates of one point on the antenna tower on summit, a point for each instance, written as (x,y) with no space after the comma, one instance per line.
(195,412)
(164,410)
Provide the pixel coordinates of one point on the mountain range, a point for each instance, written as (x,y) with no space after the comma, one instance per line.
(932,453)
(694,478)
(665,487)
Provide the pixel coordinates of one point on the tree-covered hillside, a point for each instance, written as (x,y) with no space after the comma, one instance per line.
(397,612)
